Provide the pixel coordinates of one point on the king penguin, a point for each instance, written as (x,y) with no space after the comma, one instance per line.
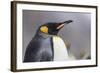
(46,45)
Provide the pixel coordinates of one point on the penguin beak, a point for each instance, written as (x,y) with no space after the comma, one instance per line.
(60,25)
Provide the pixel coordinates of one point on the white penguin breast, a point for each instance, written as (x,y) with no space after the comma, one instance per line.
(60,49)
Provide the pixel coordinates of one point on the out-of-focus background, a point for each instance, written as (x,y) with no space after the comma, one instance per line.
(77,33)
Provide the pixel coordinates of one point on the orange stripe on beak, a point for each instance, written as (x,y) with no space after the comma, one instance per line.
(60,26)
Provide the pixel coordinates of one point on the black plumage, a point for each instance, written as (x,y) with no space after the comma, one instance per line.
(34,53)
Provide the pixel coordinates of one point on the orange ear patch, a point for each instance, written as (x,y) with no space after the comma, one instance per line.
(44,29)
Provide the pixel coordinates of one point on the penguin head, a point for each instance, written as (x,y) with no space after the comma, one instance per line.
(53,28)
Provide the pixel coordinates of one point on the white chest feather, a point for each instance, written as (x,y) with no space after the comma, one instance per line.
(60,50)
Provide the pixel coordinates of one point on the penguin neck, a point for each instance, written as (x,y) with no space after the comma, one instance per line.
(43,35)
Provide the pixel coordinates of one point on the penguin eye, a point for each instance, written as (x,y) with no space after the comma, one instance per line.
(44,29)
